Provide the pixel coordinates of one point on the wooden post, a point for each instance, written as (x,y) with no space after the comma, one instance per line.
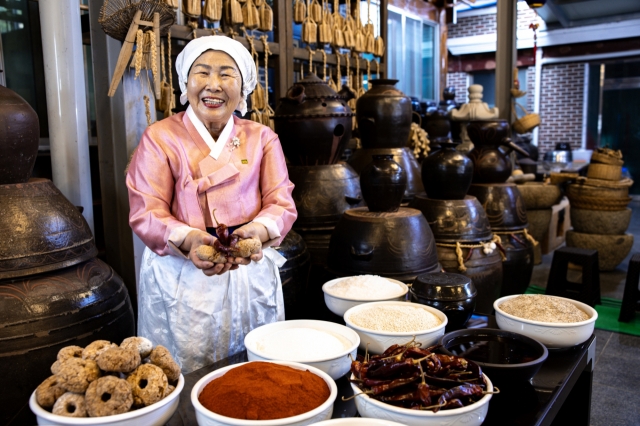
(384,17)
(125,53)
(444,53)
(156,32)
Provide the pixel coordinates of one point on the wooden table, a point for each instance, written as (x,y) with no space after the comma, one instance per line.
(560,393)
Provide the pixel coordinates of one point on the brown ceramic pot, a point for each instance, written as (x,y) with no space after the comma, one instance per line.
(293,274)
(313,123)
(485,271)
(384,116)
(19,137)
(42,314)
(447,173)
(491,163)
(455,220)
(383,183)
(44,230)
(517,268)
(503,204)
(396,245)
(403,156)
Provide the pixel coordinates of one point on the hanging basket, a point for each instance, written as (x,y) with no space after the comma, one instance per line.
(527,122)
(116,15)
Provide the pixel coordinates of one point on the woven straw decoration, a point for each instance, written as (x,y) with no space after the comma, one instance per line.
(259,3)
(379,47)
(250,15)
(368,28)
(212,10)
(299,11)
(370,44)
(360,44)
(266,17)
(315,12)
(233,12)
(349,35)
(173,3)
(337,40)
(338,20)
(309,31)
(324,29)
(192,8)
(255,115)
(332,83)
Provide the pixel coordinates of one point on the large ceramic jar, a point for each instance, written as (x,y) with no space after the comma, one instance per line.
(384,116)
(383,183)
(313,123)
(491,164)
(19,137)
(447,173)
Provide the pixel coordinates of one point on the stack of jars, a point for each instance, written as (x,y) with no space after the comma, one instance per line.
(464,241)
(384,238)
(502,201)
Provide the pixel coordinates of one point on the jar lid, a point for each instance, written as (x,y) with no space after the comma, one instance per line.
(444,286)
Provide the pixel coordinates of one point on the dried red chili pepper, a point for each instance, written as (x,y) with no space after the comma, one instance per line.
(393,384)
(225,242)
(458,392)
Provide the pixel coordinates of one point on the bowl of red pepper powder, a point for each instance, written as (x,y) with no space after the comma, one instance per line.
(264,394)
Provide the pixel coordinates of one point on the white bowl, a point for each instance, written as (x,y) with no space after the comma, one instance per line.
(155,414)
(357,421)
(206,417)
(552,334)
(339,305)
(471,415)
(336,366)
(379,341)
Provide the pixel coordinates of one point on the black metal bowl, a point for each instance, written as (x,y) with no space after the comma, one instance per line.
(506,357)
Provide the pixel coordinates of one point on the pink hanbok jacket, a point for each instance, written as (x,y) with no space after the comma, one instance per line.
(173,181)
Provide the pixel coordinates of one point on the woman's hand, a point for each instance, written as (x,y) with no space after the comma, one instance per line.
(251,230)
(197,238)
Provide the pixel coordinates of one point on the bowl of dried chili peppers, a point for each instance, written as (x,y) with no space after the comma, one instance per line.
(381,324)
(557,322)
(416,386)
(256,393)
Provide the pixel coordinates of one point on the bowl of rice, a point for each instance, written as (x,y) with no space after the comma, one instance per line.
(342,294)
(382,324)
(556,322)
(320,344)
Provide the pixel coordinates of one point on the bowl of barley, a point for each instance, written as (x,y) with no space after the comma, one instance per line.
(556,322)
(382,324)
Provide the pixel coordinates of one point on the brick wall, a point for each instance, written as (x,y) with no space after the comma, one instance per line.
(561,104)
(487,24)
(459,81)
(473,25)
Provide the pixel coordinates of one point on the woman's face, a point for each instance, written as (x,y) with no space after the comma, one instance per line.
(214,88)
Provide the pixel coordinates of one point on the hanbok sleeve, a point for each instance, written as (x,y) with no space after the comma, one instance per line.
(278,206)
(151,190)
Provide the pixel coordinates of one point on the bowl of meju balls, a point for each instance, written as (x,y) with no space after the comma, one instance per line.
(257,393)
(342,294)
(321,344)
(429,388)
(556,322)
(381,324)
(104,383)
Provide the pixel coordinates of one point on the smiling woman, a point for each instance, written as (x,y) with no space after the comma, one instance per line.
(187,166)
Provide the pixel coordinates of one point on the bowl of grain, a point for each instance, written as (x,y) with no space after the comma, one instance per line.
(556,322)
(342,294)
(320,344)
(382,324)
(223,398)
(357,421)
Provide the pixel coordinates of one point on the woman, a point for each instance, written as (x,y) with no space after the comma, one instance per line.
(184,168)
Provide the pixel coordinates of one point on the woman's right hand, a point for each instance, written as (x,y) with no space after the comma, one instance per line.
(197,238)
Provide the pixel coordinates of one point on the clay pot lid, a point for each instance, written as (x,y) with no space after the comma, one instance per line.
(444,286)
(49,232)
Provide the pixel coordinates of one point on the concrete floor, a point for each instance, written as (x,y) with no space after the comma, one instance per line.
(615,398)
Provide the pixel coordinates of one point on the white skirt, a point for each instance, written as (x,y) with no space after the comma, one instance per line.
(203,319)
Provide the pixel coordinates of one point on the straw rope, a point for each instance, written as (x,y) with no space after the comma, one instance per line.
(487,248)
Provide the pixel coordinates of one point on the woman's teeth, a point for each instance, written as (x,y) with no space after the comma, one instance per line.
(213,102)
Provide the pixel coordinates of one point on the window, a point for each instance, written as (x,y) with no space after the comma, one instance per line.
(412,53)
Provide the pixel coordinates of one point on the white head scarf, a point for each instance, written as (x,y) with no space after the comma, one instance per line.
(231,47)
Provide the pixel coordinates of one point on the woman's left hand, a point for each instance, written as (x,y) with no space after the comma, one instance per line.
(251,230)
